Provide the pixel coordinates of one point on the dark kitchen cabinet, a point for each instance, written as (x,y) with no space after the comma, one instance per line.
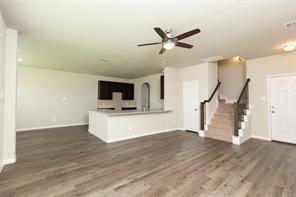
(128,91)
(162,87)
(106,89)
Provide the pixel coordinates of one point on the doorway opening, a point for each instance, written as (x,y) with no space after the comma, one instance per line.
(145,98)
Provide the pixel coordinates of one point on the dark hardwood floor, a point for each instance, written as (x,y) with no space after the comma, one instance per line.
(71,162)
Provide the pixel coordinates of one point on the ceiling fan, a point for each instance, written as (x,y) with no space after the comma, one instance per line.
(169,41)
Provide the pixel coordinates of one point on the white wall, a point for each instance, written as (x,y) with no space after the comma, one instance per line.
(232,75)
(48,98)
(154,82)
(257,71)
(10,95)
(207,75)
(2,49)
(8,59)
(172,97)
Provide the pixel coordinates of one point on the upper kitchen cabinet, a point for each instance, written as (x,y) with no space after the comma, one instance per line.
(106,89)
(128,91)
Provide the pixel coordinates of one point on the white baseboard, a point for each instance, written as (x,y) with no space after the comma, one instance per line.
(236,140)
(51,126)
(9,161)
(260,137)
(201,133)
(6,162)
(1,166)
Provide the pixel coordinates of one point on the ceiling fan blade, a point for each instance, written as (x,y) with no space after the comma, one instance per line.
(187,34)
(140,45)
(161,33)
(162,51)
(184,45)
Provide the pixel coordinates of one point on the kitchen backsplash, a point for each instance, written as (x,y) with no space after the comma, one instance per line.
(116,102)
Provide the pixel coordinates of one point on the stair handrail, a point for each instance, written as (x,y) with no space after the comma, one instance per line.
(240,105)
(203,107)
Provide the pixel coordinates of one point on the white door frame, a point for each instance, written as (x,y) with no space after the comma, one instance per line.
(269,77)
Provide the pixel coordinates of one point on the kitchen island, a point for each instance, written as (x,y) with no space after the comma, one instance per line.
(113,125)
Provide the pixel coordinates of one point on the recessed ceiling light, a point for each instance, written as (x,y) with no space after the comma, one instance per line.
(20,60)
(290,46)
(239,58)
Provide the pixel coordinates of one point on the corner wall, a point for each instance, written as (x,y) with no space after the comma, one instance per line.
(10,96)
(2,50)
(50,98)
(205,73)
(258,70)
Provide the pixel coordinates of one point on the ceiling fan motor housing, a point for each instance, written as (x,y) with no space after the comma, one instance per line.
(169,33)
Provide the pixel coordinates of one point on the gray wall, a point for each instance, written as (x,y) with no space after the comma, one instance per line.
(232,74)
(258,70)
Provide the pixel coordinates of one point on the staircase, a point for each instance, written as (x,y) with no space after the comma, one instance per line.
(229,121)
(222,124)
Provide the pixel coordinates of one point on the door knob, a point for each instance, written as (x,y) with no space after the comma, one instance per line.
(195,109)
(272,111)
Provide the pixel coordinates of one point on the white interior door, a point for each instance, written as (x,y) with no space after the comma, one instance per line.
(282,108)
(191,105)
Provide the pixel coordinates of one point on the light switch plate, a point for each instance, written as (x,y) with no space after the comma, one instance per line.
(1,95)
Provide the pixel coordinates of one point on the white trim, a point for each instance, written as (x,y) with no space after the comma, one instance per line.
(50,127)
(9,161)
(137,136)
(6,162)
(268,100)
(180,129)
(261,137)
(201,133)
(281,75)
(1,166)
(236,140)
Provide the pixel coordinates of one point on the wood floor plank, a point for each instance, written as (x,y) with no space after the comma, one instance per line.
(71,162)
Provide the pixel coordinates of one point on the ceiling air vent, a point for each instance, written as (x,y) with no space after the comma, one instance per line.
(290,24)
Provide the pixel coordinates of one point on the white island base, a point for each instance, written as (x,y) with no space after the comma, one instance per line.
(112,126)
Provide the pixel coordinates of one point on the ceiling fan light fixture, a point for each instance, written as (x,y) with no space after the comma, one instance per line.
(290,46)
(169,44)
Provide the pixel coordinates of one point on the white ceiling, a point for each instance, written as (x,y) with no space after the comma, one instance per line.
(74,35)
